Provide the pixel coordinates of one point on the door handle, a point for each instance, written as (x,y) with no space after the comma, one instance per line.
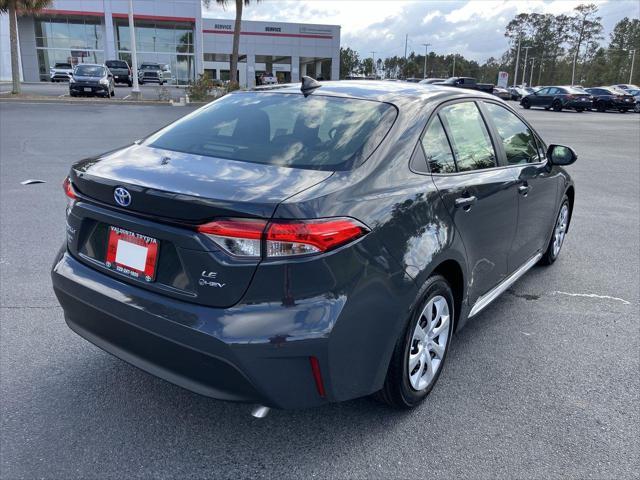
(466,202)
(523,190)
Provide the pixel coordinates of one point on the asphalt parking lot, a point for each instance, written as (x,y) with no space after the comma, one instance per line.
(542,384)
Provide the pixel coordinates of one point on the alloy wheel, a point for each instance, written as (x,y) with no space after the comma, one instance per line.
(428,343)
(560,229)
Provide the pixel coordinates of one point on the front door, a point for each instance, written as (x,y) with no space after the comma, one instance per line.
(481,198)
(537,191)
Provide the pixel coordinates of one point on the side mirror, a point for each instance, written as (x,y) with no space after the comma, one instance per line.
(561,155)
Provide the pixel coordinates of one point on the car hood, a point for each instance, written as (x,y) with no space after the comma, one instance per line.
(190,187)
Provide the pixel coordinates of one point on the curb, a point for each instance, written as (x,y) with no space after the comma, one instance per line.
(31,99)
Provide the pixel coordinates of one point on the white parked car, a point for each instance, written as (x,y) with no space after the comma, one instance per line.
(60,72)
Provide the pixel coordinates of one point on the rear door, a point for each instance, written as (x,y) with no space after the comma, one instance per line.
(479,195)
(537,195)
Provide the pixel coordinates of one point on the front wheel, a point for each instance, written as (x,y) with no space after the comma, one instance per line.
(557,106)
(559,233)
(601,107)
(526,104)
(636,108)
(419,354)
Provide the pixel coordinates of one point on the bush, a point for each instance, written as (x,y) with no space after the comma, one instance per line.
(199,90)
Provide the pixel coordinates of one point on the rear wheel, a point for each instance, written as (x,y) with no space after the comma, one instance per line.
(526,103)
(624,110)
(601,107)
(420,353)
(559,232)
(557,106)
(636,108)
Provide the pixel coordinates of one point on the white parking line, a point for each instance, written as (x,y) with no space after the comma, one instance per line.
(592,295)
(126,97)
(63,95)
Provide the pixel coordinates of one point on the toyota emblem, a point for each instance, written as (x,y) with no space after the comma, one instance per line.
(122,197)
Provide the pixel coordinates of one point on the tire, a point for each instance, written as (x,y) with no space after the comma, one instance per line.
(400,389)
(526,104)
(623,110)
(140,82)
(557,106)
(547,108)
(130,84)
(579,110)
(636,108)
(601,107)
(559,228)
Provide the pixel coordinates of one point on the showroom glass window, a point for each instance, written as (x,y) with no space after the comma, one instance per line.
(68,39)
(167,43)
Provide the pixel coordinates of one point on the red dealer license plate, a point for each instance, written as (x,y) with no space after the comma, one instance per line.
(132,254)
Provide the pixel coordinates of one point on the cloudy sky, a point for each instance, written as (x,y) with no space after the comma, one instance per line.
(474,28)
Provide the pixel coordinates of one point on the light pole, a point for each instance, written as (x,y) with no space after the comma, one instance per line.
(135,91)
(633,60)
(373,64)
(524,67)
(515,75)
(533,63)
(453,74)
(426,48)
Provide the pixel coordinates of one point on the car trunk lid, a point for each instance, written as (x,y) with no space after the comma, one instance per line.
(170,194)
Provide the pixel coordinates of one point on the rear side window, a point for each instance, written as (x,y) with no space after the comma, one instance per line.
(315,132)
(437,149)
(518,140)
(469,137)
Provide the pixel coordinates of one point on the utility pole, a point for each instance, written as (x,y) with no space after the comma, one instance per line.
(426,48)
(633,60)
(404,67)
(135,91)
(373,63)
(453,74)
(524,67)
(515,75)
(533,63)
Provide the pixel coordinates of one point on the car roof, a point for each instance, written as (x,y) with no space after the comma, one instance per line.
(382,91)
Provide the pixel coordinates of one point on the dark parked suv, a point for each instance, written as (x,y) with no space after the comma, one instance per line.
(558,98)
(296,246)
(121,71)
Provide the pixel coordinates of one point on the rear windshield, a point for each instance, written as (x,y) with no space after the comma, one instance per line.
(89,71)
(149,66)
(116,64)
(62,65)
(316,132)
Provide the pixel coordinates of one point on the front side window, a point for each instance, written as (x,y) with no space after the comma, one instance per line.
(290,130)
(469,137)
(437,149)
(518,140)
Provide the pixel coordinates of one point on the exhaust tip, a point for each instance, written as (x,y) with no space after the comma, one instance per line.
(260,411)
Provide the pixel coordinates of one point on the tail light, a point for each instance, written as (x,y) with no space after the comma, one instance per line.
(282,238)
(68,189)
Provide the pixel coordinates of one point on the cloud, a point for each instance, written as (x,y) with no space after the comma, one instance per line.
(473,28)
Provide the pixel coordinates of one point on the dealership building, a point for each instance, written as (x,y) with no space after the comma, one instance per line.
(171,32)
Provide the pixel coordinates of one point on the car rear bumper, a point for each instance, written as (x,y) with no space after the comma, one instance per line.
(203,349)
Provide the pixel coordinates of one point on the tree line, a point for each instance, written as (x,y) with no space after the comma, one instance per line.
(553,50)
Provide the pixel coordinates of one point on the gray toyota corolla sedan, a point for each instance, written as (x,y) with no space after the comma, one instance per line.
(305,244)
